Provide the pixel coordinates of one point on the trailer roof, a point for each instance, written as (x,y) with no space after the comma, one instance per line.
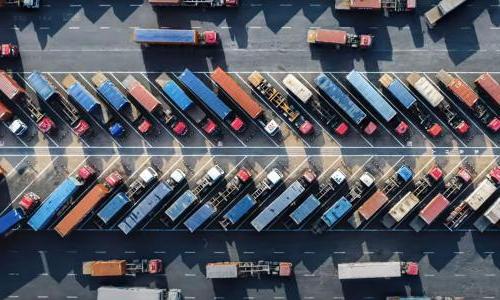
(222,270)
(369,270)
(41,85)
(141,94)
(113,206)
(336,211)
(373,204)
(109,268)
(490,86)
(135,293)
(200,216)
(482,193)
(432,210)
(493,212)
(9,86)
(178,36)
(373,4)
(180,205)
(240,209)
(305,209)
(331,36)
(10,219)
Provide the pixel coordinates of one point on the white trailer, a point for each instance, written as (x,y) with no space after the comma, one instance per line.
(376,270)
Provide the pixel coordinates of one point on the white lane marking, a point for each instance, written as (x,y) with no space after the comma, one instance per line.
(219,252)
(44,28)
(189,252)
(309,252)
(255,27)
(286,27)
(225,27)
(279,252)
(494,28)
(459,275)
(248,252)
(190,275)
(429,275)
(159,252)
(105,5)
(490,275)
(309,275)
(13,274)
(489,252)
(135,5)
(104,27)
(314,5)
(100,252)
(13,296)
(129,252)
(285,4)
(339,252)
(75,5)
(74,28)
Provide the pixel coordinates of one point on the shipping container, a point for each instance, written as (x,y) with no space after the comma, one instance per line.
(426,89)
(81,95)
(142,95)
(368,208)
(305,209)
(130,293)
(336,212)
(175,37)
(113,207)
(110,92)
(398,90)
(200,216)
(43,88)
(444,7)
(236,93)
(459,88)
(241,208)
(297,88)
(490,86)
(180,205)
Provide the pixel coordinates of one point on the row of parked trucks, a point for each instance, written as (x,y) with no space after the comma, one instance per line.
(207,109)
(148,194)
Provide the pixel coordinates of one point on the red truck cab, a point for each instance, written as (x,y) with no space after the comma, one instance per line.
(342,129)
(29,201)
(114,179)
(365,41)
(180,128)
(210,38)
(436,174)
(85,172)
(402,128)
(306,128)
(410,268)
(145,126)
(210,126)
(81,128)
(370,128)
(244,175)
(9,51)
(238,125)
(231,3)
(462,128)
(435,130)
(495,175)
(155,266)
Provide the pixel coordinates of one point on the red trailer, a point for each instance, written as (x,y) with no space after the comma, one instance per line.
(490,86)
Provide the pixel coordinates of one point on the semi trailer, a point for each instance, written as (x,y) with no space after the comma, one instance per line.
(186,105)
(89,201)
(359,190)
(366,270)
(386,5)
(15,93)
(342,100)
(377,102)
(14,217)
(195,3)
(441,201)
(153,200)
(489,86)
(422,188)
(121,267)
(290,112)
(490,217)
(475,200)
(339,38)
(206,96)
(326,190)
(154,107)
(437,101)
(122,199)
(91,105)
(416,111)
(229,270)
(324,111)
(108,91)
(463,92)
(175,37)
(284,200)
(381,197)
(208,209)
(137,293)
(189,197)
(248,202)
(60,197)
(443,8)
(48,94)
(243,100)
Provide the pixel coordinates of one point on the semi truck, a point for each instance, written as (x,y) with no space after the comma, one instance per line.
(340,99)
(381,197)
(386,5)
(47,93)
(108,91)
(91,105)
(243,100)
(208,209)
(245,204)
(437,101)
(122,199)
(339,38)
(463,92)
(475,200)
(366,270)
(153,106)
(489,86)
(60,197)
(195,3)
(490,217)
(14,217)
(8,50)
(416,111)
(189,197)
(186,105)
(137,293)
(290,112)
(206,96)
(443,8)
(14,92)
(228,270)
(441,201)
(326,190)
(121,267)
(90,201)
(422,188)
(323,110)
(152,201)
(377,102)
(359,190)
(28,4)
(175,37)
(15,125)
(284,200)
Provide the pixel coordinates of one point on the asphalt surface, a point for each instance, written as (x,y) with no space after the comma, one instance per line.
(83,37)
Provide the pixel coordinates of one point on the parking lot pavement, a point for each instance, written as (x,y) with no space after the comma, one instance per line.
(458,264)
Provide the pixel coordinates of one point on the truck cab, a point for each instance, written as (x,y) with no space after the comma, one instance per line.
(18,127)
(9,51)
(365,41)
(409,268)
(155,266)
(210,38)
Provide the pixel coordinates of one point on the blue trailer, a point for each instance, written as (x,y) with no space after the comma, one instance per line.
(145,207)
(241,208)
(305,209)
(211,100)
(41,85)
(376,101)
(180,205)
(109,92)
(342,100)
(113,208)
(181,37)
(11,220)
(200,216)
(276,207)
(54,202)
(336,212)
